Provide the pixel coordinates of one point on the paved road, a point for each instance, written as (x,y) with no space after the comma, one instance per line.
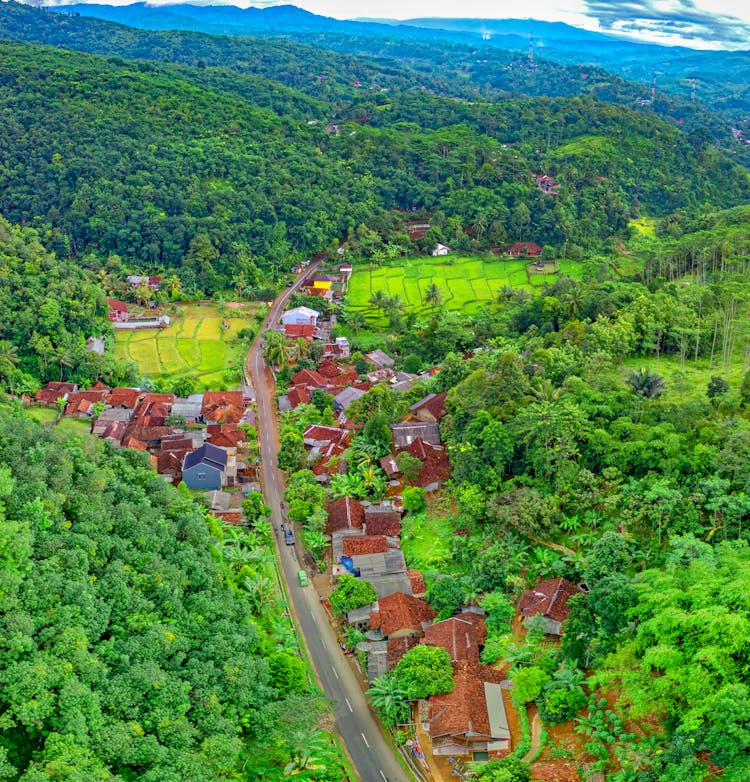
(361,732)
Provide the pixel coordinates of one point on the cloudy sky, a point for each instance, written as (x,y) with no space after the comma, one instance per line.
(714,24)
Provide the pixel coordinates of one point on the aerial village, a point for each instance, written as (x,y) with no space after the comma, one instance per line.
(208,442)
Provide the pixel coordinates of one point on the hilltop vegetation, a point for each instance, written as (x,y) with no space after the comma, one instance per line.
(153,164)
(140,640)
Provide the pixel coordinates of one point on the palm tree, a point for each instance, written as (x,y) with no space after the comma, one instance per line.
(569,678)
(275,352)
(355,320)
(544,391)
(379,300)
(646,383)
(434,296)
(8,360)
(389,700)
(66,359)
(174,285)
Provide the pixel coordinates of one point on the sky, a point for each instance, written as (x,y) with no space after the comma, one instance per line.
(700,24)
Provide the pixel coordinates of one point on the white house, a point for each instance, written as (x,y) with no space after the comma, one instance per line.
(441,249)
(300,316)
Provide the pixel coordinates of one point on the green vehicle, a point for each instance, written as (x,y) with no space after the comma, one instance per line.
(302,576)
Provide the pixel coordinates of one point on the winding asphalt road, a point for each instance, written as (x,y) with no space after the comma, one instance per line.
(371,755)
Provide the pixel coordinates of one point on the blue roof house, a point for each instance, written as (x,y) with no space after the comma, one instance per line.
(205,468)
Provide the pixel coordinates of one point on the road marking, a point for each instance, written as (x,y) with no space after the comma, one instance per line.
(314,616)
(364,738)
(383,775)
(349,705)
(359,667)
(334,672)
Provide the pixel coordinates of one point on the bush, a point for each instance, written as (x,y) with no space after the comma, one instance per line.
(414,499)
(352,593)
(560,705)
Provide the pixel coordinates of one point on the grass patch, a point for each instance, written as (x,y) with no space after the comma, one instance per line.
(44,415)
(465,282)
(198,343)
(74,426)
(426,541)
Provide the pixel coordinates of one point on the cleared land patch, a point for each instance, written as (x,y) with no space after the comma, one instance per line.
(199,344)
(465,282)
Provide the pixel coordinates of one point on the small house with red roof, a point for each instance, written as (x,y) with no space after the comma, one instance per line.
(524,250)
(430,409)
(345,514)
(436,467)
(549,599)
(471,719)
(461,636)
(81,403)
(399,615)
(222,407)
(52,391)
(126,398)
(117,310)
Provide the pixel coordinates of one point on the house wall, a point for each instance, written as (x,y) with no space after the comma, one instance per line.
(202,477)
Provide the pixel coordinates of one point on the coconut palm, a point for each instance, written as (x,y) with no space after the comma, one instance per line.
(8,360)
(379,300)
(646,383)
(275,352)
(433,295)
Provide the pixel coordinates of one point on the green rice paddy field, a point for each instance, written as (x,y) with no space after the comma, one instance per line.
(466,282)
(196,345)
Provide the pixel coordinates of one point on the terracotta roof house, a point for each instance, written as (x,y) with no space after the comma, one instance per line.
(550,599)
(118,310)
(81,403)
(390,466)
(345,513)
(523,250)
(329,368)
(418,586)
(112,431)
(297,330)
(124,397)
(51,392)
(383,523)
(356,545)
(298,395)
(170,462)
(396,648)
(110,416)
(430,408)
(380,359)
(222,407)
(151,435)
(400,615)
(205,468)
(461,636)
(309,378)
(469,720)
(404,434)
(225,435)
(436,468)
(318,436)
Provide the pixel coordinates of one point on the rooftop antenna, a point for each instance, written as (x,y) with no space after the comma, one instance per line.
(531,50)
(653,89)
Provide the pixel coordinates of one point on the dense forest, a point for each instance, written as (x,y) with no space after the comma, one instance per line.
(154,164)
(140,640)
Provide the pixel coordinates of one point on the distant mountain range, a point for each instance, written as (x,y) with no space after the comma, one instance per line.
(720,79)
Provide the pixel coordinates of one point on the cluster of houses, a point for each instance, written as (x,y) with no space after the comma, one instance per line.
(200,440)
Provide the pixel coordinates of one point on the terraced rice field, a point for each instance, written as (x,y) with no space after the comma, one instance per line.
(466,283)
(196,344)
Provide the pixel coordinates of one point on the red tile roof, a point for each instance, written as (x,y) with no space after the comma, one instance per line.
(296,330)
(51,392)
(137,445)
(124,397)
(229,517)
(434,404)
(170,462)
(224,407)
(315,434)
(298,395)
(345,379)
(389,465)
(396,648)
(386,523)
(152,434)
(549,598)
(436,468)
(225,435)
(345,513)
(399,612)
(329,368)
(162,399)
(418,586)
(309,378)
(355,545)
(528,249)
(117,305)
(461,711)
(460,636)
(81,402)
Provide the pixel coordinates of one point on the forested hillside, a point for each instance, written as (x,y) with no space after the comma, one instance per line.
(183,169)
(135,645)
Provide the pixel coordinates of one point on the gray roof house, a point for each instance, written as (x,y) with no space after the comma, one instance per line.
(344,398)
(188,409)
(406,433)
(380,359)
(205,468)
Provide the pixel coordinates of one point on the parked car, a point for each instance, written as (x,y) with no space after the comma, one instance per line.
(288,537)
(303,580)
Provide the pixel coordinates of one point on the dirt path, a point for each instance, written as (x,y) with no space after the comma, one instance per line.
(536,734)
